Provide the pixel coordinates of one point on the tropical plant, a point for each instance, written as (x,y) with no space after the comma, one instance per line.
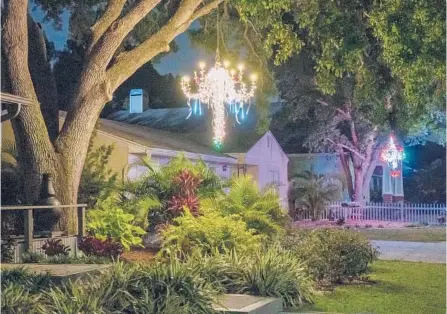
(312,191)
(54,247)
(259,209)
(170,187)
(97,178)
(332,255)
(108,220)
(12,180)
(91,246)
(272,271)
(7,252)
(206,233)
(11,189)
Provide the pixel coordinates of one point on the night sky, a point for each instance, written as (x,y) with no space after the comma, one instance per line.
(183,62)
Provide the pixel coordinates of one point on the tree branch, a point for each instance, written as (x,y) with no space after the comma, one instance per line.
(342,112)
(206,9)
(112,38)
(346,147)
(112,12)
(128,62)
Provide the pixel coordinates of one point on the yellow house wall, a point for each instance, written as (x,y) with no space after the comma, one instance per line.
(118,159)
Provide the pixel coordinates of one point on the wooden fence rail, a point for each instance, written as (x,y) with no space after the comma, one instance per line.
(29,220)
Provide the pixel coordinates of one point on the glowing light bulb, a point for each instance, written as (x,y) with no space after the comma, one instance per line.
(240,67)
(201,65)
(253,77)
(186,78)
(226,63)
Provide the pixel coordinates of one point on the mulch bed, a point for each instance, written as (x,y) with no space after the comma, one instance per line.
(139,255)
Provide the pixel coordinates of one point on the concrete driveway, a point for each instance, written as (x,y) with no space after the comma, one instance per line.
(412,251)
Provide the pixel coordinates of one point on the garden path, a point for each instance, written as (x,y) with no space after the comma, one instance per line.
(412,251)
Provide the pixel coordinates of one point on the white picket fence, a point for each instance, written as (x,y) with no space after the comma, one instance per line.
(395,212)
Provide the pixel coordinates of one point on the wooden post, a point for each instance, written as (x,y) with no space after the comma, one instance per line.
(81,221)
(29,229)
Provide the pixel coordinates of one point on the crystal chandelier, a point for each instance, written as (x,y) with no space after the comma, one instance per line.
(223,91)
(392,154)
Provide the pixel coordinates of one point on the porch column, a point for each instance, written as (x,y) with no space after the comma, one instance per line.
(387,184)
(399,186)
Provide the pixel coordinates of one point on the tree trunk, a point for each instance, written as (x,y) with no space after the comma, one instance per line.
(347,171)
(36,152)
(358,184)
(43,78)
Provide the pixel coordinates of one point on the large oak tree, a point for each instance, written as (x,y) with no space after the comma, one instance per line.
(123,36)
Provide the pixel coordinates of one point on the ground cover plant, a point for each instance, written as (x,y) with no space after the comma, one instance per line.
(271,271)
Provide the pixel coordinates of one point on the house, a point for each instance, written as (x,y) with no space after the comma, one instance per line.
(259,156)
(385,185)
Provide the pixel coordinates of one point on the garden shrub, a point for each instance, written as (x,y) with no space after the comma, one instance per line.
(273,272)
(54,247)
(107,220)
(91,246)
(332,255)
(189,233)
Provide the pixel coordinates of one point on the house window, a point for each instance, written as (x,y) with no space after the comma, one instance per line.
(274,177)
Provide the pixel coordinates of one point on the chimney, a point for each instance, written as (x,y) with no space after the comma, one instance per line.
(138,101)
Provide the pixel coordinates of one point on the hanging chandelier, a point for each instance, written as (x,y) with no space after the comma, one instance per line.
(223,90)
(393,154)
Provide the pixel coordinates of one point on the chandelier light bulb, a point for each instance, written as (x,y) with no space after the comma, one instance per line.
(240,67)
(226,63)
(202,65)
(253,77)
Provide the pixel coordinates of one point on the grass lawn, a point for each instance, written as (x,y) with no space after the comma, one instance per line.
(401,287)
(406,234)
